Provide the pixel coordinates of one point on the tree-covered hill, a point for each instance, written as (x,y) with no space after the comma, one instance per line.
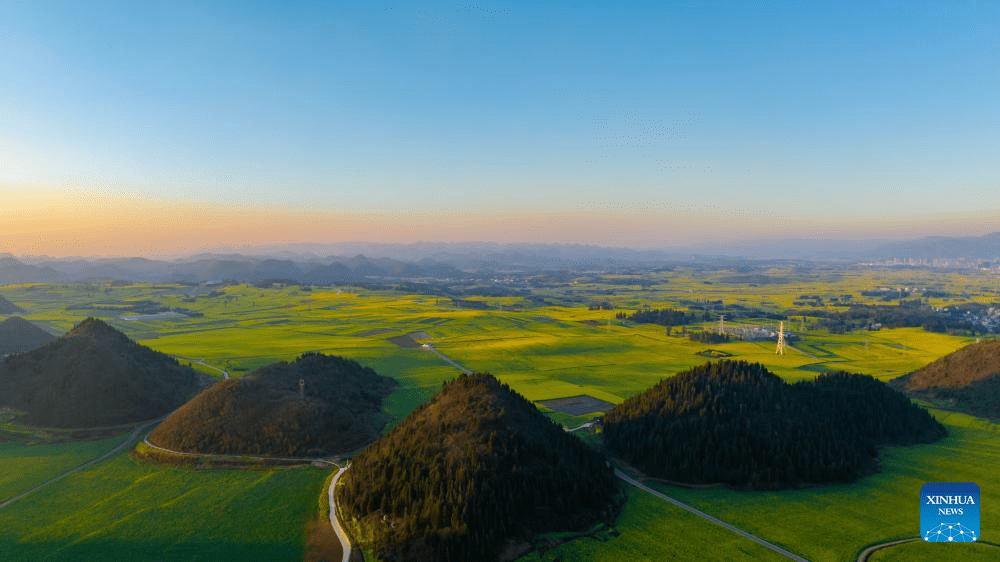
(470,473)
(18,335)
(736,423)
(263,413)
(94,376)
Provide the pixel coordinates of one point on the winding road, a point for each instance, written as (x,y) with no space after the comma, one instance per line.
(128,442)
(867,553)
(773,547)
(225,373)
(345,543)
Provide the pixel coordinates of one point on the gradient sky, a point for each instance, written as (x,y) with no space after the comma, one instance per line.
(163,127)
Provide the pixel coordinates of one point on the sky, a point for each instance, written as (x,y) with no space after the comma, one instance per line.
(153,128)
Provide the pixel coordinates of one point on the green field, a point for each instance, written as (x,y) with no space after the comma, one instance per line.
(556,350)
(26,466)
(652,529)
(124,510)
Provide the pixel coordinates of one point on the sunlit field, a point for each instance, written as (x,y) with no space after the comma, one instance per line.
(545,351)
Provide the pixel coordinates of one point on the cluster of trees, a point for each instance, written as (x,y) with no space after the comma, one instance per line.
(475,466)
(706,336)
(736,423)
(663,317)
(908,314)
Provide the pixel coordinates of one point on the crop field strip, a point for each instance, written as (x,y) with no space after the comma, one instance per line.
(125,510)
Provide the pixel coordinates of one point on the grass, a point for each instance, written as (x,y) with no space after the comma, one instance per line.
(124,510)
(836,522)
(655,530)
(26,466)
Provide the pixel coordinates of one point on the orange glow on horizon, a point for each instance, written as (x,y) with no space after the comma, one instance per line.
(60,224)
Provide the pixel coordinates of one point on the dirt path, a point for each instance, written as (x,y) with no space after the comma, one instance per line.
(703,515)
(239,458)
(584,426)
(345,543)
(225,373)
(450,360)
(867,553)
(128,442)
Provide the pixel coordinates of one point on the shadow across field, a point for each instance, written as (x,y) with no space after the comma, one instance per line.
(74,550)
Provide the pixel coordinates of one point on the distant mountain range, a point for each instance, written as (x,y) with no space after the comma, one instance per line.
(329,264)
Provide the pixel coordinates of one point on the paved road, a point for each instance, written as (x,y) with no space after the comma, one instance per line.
(345,543)
(124,444)
(704,515)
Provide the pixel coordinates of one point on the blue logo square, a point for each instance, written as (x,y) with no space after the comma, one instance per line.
(949,512)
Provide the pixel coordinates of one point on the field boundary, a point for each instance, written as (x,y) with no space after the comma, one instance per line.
(242,458)
(128,442)
(770,546)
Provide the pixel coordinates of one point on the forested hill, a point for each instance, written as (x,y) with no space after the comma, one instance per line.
(17,335)
(967,380)
(339,410)
(94,376)
(7,307)
(470,472)
(736,423)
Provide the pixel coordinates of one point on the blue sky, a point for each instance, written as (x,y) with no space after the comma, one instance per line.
(849,114)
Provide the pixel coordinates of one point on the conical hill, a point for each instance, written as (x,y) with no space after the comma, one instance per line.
(94,376)
(18,335)
(7,307)
(736,423)
(966,380)
(339,409)
(471,474)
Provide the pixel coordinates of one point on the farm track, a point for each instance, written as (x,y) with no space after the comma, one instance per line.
(773,547)
(452,362)
(223,372)
(238,458)
(867,552)
(128,442)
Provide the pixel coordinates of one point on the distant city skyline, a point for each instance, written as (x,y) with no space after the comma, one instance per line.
(167,129)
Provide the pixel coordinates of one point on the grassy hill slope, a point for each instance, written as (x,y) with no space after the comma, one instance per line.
(967,380)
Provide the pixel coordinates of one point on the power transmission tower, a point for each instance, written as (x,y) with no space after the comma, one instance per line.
(781,339)
(722,324)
